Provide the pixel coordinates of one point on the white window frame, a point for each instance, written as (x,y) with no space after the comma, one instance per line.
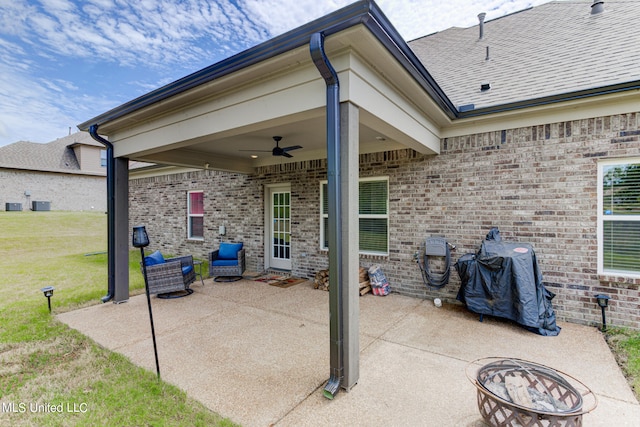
(602,217)
(190,235)
(324,216)
(103,158)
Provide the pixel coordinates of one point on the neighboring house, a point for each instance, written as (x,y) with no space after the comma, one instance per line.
(532,128)
(67,174)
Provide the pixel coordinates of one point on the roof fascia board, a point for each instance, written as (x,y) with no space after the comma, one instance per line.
(544,101)
(363,12)
(572,110)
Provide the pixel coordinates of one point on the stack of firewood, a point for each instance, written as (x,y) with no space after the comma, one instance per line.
(363,279)
(321,280)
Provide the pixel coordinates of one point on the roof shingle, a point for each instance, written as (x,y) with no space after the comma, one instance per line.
(55,156)
(552,49)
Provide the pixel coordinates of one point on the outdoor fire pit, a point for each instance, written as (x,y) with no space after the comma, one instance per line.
(513,392)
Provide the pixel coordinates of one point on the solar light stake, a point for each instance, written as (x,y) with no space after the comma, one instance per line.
(140,239)
(603,302)
(48,292)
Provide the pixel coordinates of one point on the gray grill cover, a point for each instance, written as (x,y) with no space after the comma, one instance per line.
(504,280)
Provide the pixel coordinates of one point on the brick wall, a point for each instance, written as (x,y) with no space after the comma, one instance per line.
(160,203)
(66,192)
(536,184)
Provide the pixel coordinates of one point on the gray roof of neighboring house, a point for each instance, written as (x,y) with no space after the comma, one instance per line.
(548,50)
(55,156)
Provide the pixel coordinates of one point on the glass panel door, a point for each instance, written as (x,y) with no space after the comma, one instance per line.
(280,242)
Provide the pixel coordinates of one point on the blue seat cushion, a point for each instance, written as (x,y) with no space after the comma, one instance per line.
(225,263)
(186,269)
(153,259)
(229,250)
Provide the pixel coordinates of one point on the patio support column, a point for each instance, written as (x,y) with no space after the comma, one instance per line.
(349,241)
(121,230)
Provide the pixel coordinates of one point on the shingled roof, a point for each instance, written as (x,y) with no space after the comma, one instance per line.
(55,156)
(552,49)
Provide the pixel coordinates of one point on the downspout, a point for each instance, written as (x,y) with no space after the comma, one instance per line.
(336,327)
(111,191)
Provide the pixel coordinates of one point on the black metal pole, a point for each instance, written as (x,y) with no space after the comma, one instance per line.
(604,320)
(49,303)
(153,331)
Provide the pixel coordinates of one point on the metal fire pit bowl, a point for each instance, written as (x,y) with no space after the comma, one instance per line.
(514,392)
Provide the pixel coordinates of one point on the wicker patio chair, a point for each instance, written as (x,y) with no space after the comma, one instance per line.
(171,277)
(227,263)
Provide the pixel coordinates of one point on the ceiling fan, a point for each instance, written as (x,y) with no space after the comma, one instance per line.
(277,150)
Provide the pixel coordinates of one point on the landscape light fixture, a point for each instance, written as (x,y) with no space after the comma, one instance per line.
(48,292)
(603,302)
(140,239)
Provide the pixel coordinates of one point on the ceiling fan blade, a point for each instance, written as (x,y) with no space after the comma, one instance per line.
(293,147)
(257,151)
(285,154)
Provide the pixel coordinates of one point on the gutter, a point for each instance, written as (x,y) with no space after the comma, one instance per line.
(364,12)
(336,326)
(111,216)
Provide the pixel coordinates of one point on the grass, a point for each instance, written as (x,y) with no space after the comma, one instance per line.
(51,375)
(625,345)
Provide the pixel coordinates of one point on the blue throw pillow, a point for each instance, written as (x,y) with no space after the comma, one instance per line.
(153,259)
(186,270)
(229,250)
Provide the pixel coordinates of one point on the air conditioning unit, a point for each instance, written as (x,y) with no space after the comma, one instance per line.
(40,206)
(13,206)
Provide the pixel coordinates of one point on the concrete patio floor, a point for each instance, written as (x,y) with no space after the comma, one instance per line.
(259,355)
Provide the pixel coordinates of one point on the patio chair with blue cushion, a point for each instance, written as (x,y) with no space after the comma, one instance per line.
(170,277)
(227,263)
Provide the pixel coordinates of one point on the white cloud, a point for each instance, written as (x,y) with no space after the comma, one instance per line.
(41,109)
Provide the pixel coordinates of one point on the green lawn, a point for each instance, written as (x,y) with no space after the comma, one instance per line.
(625,345)
(46,367)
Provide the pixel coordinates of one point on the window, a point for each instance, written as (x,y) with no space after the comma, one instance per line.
(619,217)
(373,216)
(103,158)
(195,215)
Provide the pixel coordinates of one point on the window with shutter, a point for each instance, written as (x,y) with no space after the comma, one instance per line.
(373,216)
(195,215)
(619,217)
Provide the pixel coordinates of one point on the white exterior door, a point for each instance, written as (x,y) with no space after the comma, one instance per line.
(279,227)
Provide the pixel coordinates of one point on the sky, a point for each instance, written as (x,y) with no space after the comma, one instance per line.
(63,62)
